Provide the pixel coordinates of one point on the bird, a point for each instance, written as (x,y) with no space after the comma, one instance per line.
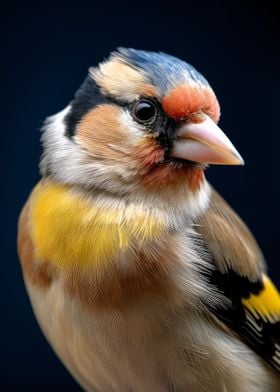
(141,276)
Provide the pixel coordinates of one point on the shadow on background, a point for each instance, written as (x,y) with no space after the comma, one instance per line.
(45,55)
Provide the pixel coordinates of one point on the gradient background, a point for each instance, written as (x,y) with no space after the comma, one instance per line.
(45,54)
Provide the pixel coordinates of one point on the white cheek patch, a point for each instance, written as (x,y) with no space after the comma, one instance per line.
(59,151)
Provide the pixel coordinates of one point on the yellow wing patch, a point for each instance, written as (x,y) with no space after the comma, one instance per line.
(69,229)
(266,304)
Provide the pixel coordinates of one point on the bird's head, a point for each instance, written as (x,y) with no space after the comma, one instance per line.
(141,120)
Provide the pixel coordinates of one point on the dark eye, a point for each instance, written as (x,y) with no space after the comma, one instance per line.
(144,111)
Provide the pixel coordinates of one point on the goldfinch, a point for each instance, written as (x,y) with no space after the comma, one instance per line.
(141,277)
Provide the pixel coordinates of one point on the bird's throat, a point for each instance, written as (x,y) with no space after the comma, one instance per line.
(175,174)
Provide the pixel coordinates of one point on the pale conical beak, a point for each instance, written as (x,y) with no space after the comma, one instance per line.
(205,142)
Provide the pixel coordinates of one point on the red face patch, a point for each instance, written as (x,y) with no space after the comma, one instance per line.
(183,101)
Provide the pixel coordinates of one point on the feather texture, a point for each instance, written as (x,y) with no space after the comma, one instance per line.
(252,303)
(140,276)
(69,229)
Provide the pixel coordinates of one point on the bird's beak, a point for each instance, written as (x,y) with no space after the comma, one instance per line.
(205,142)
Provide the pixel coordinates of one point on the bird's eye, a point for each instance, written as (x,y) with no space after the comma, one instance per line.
(144,111)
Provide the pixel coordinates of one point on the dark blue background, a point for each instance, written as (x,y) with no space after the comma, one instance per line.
(45,54)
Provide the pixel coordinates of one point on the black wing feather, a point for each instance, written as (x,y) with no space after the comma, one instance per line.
(261,333)
(251,305)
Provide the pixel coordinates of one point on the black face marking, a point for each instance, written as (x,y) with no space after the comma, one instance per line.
(164,127)
(167,134)
(87,97)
